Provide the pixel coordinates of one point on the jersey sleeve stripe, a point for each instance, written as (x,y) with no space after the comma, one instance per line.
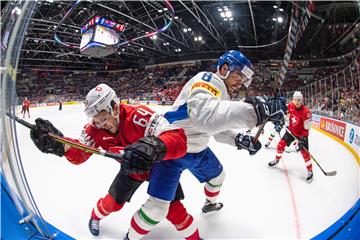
(180,114)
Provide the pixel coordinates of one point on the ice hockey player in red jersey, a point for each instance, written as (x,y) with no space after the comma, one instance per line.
(25,107)
(299,126)
(145,137)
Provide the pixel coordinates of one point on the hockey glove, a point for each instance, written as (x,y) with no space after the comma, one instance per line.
(46,144)
(246,142)
(268,109)
(141,155)
(303,143)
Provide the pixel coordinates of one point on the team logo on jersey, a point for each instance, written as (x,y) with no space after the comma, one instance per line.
(207,87)
(98,88)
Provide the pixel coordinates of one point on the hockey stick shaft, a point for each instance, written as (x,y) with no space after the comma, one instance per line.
(80,146)
(257,135)
(332,173)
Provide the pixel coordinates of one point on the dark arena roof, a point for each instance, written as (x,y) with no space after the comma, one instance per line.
(199,31)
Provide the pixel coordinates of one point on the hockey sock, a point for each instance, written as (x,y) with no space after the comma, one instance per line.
(104,207)
(212,187)
(280,149)
(307,159)
(183,221)
(147,217)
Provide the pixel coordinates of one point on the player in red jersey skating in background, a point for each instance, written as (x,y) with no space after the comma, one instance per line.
(25,107)
(299,126)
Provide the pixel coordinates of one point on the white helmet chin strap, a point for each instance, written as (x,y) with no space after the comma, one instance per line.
(221,76)
(117,117)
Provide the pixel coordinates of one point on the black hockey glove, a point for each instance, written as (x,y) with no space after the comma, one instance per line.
(140,156)
(268,109)
(46,144)
(246,142)
(303,143)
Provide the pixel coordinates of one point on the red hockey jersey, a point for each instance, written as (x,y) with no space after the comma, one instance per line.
(299,120)
(26,104)
(135,122)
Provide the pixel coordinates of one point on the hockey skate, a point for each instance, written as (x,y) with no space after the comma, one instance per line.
(273,163)
(94,226)
(310,176)
(287,149)
(211,207)
(267,144)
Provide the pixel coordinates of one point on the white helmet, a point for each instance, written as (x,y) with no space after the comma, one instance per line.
(298,95)
(102,97)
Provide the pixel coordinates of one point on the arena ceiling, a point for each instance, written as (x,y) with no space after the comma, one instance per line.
(258,28)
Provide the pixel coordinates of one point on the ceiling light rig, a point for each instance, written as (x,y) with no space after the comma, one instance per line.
(99,46)
(225,13)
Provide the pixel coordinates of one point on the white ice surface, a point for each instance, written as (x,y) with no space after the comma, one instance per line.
(259,202)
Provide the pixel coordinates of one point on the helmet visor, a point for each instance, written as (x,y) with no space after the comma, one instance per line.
(247,72)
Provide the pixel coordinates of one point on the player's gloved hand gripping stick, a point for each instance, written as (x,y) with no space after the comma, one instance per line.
(332,173)
(267,109)
(61,140)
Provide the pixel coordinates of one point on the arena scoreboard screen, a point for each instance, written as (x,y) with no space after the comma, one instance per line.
(99,37)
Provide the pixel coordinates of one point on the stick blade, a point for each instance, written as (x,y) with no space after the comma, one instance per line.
(333,173)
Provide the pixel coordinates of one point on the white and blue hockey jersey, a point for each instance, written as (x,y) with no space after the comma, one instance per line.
(203,108)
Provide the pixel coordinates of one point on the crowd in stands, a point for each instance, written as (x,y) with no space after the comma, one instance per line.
(164,83)
(337,95)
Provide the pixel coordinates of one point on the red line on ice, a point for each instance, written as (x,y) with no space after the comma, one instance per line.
(293,201)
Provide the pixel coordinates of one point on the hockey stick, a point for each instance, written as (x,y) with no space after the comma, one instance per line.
(332,173)
(85,148)
(257,135)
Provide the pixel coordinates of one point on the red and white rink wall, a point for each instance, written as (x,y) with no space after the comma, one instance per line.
(348,135)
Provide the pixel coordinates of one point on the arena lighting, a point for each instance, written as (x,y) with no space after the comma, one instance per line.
(280,19)
(16,11)
(275,6)
(141,49)
(198,39)
(281,9)
(101,39)
(226,14)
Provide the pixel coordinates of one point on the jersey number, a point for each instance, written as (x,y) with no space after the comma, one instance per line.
(206,77)
(140,120)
